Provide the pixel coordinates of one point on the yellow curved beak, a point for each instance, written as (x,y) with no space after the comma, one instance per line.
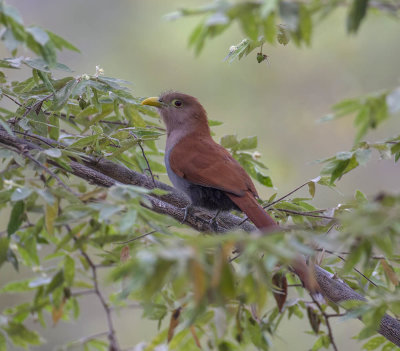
(152,101)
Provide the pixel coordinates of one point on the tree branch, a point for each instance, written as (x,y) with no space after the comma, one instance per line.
(106,173)
(337,291)
(107,309)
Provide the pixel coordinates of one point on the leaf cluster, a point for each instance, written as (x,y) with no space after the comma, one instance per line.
(272,21)
(214,290)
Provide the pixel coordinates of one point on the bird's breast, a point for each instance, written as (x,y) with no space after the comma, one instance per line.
(178,182)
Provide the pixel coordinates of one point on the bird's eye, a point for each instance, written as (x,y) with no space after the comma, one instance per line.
(177,103)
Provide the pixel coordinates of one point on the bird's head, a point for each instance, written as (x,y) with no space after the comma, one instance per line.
(179,111)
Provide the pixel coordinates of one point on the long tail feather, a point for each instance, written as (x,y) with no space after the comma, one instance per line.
(249,205)
(263,221)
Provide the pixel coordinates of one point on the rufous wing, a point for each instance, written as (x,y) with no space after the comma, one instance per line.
(202,161)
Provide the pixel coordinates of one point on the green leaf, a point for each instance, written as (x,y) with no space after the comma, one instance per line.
(45,78)
(236,51)
(268,7)
(85,141)
(270,27)
(61,96)
(4,242)
(322,342)
(358,11)
(40,281)
(21,336)
(263,179)
(213,123)
(248,21)
(305,25)
(21,194)
(360,197)
(60,42)
(128,220)
(6,127)
(69,270)
(283,35)
(3,342)
(362,156)
(229,141)
(107,211)
(311,188)
(56,281)
(247,143)
(39,35)
(38,64)
(16,217)
(56,153)
(18,286)
(374,343)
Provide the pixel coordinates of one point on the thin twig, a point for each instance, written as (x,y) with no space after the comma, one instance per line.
(280,199)
(37,137)
(336,315)
(136,238)
(328,325)
(85,339)
(344,260)
(114,122)
(354,268)
(131,305)
(144,156)
(375,257)
(306,214)
(111,331)
(11,98)
(285,196)
(83,292)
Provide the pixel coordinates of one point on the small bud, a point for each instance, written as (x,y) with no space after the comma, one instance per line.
(99,71)
(37,269)
(256,155)
(13,247)
(232,48)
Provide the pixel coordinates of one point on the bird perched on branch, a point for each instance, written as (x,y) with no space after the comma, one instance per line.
(200,167)
(203,169)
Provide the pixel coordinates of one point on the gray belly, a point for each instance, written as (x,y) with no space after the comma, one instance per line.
(178,182)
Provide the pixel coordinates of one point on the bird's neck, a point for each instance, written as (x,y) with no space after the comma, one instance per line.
(199,130)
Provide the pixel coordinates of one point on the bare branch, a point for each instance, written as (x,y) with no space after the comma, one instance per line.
(144,156)
(111,330)
(328,325)
(337,291)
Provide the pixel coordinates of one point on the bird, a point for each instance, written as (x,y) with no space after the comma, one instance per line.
(201,168)
(206,172)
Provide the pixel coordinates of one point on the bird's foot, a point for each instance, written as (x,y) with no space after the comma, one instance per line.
(213,221)
(186,213)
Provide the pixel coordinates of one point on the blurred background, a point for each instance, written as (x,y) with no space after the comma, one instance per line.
(279,101)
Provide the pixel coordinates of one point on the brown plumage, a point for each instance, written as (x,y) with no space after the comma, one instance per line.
(203,169)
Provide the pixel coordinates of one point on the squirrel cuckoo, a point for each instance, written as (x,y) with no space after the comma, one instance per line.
(200,167)
(205,171)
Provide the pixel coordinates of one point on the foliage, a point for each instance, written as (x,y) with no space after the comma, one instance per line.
(213,292)
(273,21)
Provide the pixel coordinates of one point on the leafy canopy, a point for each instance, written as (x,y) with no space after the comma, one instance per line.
(63,228)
